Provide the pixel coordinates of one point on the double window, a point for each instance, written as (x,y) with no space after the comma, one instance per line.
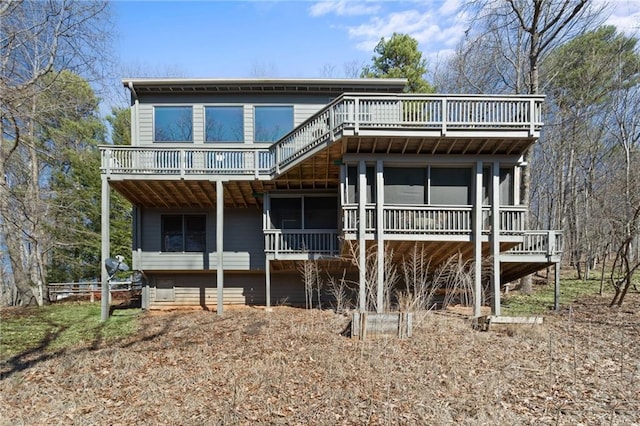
(304,213)
(184,233)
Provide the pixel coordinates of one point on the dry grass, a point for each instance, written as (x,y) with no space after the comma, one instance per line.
(292,366)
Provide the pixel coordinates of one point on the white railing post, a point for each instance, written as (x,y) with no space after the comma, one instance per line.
(551,243)
(332,133)
(356,115)
(183,161)
(444,116)
(532,116)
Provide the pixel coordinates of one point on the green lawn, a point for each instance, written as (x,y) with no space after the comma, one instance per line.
(61,325)
(541,300)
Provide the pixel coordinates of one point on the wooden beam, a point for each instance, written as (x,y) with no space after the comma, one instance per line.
(435,147)
(205,192)
(151,190)
(192,195)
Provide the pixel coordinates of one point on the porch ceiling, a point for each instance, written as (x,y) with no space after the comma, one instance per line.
(190,193)
(434,146)
(319,171)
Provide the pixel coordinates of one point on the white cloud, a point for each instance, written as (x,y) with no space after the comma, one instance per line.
(436,25)
(433,31)
(343,8)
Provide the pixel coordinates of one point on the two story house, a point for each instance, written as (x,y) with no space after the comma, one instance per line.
(234,182)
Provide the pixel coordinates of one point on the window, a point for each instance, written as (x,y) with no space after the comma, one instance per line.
(320,212)
(304,213)
(173,124)
(286,213)
(184,233)
(450,186)
(404,185)
(352,184)
(506,186)
(224,124)
(272,122)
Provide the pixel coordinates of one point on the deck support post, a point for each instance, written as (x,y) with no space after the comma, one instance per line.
(556,289)
(267,281)
(266,224)
(477,241)
(362,228)
(219,246)
(105,244)
(495,236)
(380,234)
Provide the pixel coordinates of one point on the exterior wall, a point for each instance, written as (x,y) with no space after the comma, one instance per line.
(168,290)
(243,242)
(304,106)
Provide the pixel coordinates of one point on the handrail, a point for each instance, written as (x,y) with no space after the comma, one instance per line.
(548,243)
(289,241)
(348,111)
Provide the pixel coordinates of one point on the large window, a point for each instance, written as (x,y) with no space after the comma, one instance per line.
(272,122)
(404,185)
(352,185)
(173,124)
(224,124)
(184,233)
(304,213)
(450,186)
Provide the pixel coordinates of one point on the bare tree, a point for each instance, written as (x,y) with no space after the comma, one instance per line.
(38,41)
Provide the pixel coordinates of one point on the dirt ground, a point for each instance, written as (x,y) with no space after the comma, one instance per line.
(294,367)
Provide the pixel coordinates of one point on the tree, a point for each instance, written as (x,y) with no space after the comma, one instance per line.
(589,79)
(75,182)
(399,57)
(39,41)
(511,40)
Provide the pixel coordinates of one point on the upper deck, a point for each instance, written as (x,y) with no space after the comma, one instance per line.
(364,123)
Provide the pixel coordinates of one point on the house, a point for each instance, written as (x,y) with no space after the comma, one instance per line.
(234,182)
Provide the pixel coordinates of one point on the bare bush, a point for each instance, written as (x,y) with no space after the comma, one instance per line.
(313,282)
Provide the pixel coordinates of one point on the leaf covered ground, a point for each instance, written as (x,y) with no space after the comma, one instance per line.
(295,367)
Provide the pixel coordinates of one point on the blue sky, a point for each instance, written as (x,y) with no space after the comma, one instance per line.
(275,39)
(286,38)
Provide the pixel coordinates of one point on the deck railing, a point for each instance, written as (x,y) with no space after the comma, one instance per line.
(427,219)
(355,112)
(444,220)
(548,243)
(290,241)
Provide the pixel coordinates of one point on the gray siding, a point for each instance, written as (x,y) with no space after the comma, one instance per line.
(304,107)
(145,128)
(174,290)
(243,242)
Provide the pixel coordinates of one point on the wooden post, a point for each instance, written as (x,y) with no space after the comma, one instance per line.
(556,290)
(267,281)
(105,248)
(362,227)
(477,241)
(495,235)
(380,234)
(219,246)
